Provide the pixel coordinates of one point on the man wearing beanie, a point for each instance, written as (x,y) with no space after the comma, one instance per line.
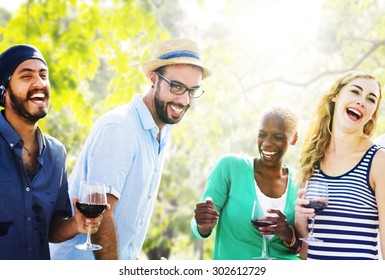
(34,201)
(126,148)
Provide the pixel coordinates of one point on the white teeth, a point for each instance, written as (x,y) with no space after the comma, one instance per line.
(177,109)
(268,153)
(38,95)
(354,111)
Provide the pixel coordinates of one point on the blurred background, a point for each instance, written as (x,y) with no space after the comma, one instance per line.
(261,53)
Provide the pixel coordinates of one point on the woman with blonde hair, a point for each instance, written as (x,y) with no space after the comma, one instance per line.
(338,151)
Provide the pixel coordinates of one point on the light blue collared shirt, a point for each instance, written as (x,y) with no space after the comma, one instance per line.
(122,152)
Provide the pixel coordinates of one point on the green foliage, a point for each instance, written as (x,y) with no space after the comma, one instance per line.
(85,44)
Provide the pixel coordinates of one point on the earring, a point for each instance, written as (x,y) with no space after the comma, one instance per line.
(152,86)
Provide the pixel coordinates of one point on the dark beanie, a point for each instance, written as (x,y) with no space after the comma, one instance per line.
(10,59)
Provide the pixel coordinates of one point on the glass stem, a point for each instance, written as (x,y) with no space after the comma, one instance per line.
(264,245)
(88,241)
(312,227)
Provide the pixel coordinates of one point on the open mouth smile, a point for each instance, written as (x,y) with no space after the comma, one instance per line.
(268,154)
(177,109)
(354,114)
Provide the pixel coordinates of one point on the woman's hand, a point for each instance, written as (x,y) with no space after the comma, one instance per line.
(206,216)
(280,226)
(302,213)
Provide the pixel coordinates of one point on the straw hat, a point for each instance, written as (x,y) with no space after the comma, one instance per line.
(175,51)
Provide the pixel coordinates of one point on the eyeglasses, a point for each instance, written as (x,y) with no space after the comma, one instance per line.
(179,89)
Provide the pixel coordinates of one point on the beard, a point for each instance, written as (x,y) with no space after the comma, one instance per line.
(18,106)
(161,109)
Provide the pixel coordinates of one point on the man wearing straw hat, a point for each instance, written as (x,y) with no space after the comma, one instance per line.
(125,151)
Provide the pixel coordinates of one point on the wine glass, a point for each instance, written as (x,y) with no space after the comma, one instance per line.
(258,219)
(317,194)
(92,202)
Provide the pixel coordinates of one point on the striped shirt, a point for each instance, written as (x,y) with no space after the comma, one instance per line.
(349,224)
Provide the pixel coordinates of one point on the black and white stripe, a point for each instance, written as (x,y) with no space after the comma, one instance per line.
(349,224)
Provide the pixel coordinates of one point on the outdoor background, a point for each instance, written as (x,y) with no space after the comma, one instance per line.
(261,53)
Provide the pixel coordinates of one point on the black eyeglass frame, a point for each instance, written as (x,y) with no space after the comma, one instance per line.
(178,86)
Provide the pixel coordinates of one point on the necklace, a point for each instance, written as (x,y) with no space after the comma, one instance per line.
(28,150)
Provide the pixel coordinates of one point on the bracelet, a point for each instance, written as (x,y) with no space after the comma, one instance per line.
(293,239)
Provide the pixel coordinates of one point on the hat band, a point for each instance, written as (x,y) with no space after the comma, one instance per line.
(180,53)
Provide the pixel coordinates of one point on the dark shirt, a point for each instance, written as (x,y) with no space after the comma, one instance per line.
(27,204)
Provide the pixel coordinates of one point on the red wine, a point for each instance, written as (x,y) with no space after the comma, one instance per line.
(258,223)
(317,205)
(90,210)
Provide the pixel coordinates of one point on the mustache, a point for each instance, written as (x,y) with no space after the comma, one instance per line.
(179,105)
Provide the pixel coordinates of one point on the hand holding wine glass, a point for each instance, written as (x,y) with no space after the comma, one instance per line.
(260,219)
(92,202)
(317,195)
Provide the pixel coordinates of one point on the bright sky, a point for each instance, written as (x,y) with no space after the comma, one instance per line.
(266,24)
(11,5)
(276,31)
(272,29)
(281,21)
(275,21)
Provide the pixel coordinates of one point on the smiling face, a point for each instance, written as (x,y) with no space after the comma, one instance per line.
(356,103)
(274,137)
(27,95)
(170,107)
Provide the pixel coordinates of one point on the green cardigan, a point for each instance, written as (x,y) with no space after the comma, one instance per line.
(232,188)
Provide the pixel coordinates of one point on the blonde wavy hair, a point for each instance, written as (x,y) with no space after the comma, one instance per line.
(320,129)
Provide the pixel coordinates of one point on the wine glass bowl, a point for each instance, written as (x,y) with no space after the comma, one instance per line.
(90,210)
(92,203)
(317,205)
(317,195)
(261,222)
(259,219)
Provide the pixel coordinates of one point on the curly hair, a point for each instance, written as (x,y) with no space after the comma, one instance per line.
(320,130)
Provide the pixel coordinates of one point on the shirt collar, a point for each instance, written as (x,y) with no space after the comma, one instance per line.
(8,133)
(12,137)
(40,140)
(145,116)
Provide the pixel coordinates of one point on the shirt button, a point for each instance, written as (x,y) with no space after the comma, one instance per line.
(11,145)
(28,219)
(27,189)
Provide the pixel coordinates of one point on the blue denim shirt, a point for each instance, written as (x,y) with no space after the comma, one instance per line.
(28,205)
(122,152)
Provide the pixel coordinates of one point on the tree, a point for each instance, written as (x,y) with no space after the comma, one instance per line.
(94,50)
